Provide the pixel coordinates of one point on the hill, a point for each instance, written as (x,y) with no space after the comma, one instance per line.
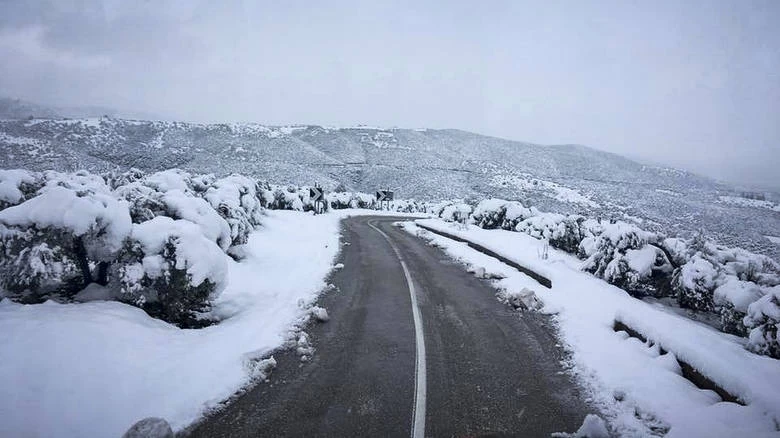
(417,163)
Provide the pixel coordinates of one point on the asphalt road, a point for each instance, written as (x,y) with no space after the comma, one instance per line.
(487,370)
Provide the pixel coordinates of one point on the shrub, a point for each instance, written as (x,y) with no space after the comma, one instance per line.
(45,237)
(763,320)
(168,268)
(694,284)
(498,213)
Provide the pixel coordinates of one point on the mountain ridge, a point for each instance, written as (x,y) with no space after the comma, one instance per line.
(426,164)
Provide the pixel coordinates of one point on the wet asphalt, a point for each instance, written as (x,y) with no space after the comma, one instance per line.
(491,371)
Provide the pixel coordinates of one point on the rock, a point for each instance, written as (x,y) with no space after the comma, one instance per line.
(319,314)
(150,428)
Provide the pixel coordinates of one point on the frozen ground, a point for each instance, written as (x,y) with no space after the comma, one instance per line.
(93,369)
(642,391)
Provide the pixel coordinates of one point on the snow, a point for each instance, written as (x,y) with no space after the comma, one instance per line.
(526,182)
(635,386)
(747,202)
(698,271)
(168,180)
(668,192)
(458,212)
(764,316)
(737,292)
(63,208)
(94,292)
(200,212)
(320,314)
(10,180)
(200,257)
(642,260)
(12,139)
(592,427)
(94,369)
(774,239)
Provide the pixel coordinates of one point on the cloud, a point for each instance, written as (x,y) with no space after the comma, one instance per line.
(688,83)
(28,44)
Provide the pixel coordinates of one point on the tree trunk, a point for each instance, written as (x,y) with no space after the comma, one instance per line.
(102,273)
(81,259)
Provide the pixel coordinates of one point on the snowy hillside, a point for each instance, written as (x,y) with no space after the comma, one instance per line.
(417,163)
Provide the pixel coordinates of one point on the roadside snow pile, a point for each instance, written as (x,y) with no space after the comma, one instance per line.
(639,387)
(96,368)
(698,274)
(592,427)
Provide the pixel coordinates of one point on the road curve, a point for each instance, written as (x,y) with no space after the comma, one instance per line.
(488,371)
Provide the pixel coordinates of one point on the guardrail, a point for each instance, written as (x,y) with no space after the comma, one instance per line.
(544,281)
(688,371)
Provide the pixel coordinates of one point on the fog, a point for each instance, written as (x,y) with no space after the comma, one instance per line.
(691,84)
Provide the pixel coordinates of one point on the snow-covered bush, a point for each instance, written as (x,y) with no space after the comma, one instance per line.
(621,255)
(341,200)
(454,212)
(700,274)
(695,282)
(175,194)
(733,297)
(286,198)
(17,185)
(159,239)
(406,206)
(763,320)
(43,237)
(116,179)
(717,278)
(34,264)
(236,200)
(171,270)
(498,213)
(570,233)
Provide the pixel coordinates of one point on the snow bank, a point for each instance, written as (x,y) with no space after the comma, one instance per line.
(94,369)
(640,390)
(697,273)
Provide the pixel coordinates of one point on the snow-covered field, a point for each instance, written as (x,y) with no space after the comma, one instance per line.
(640,390)
(774,239)
(93,369)
(526,182)
(747,202)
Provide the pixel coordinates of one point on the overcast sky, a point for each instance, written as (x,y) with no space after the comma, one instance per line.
(687,83)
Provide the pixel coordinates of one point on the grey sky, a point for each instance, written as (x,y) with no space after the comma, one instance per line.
(687,83)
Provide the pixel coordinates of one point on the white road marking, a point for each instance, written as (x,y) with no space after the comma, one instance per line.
(418,411)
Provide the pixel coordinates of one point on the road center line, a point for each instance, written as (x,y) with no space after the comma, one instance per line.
(418,410)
